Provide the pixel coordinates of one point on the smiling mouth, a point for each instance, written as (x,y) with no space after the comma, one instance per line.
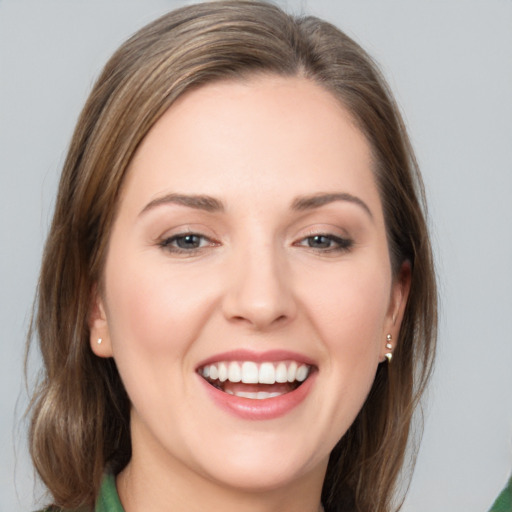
(257,381)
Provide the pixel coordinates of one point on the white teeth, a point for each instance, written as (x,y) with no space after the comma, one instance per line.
(262,395)
(223,372)
(302,372)
(267,374)
(214,372)
(259,395)
(234,372)
(250,372)
(292,371)
(281,373)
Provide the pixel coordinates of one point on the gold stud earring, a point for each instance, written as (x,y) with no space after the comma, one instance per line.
(99,341)
(389,346)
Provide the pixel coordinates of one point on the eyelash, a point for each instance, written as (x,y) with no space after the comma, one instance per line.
(167,243)
(340,244)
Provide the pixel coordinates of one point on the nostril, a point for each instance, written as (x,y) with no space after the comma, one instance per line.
(259,298)
(259,321)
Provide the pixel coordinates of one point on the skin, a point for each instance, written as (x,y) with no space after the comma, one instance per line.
(258,281)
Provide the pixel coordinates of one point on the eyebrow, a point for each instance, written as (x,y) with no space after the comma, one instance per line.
(211,204)
(199,202)
(317,200)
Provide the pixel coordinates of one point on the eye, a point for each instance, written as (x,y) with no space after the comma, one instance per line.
(326,243)
(186,243)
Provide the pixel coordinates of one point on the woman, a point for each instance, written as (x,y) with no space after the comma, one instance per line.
(237,305)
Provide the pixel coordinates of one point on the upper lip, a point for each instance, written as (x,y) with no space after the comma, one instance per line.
(257,357)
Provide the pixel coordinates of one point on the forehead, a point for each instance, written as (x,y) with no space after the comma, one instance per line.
(269,134)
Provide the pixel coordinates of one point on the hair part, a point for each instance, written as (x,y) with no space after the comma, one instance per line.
(80,410)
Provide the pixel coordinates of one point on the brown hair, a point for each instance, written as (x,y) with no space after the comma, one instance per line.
(80,410)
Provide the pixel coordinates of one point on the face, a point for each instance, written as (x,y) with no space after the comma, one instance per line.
(247,291)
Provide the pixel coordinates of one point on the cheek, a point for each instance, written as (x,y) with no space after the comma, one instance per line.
(349,320)
(351,297)
(348,309)
(153,323)
(153,311)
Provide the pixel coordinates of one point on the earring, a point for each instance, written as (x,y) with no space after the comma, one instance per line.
(389,355)
(99,341)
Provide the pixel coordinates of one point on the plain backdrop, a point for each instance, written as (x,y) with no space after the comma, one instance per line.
(450,65)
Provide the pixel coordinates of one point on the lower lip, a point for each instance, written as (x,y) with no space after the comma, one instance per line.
(265,409)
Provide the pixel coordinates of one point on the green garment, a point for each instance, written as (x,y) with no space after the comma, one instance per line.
(503,502)
(108,500)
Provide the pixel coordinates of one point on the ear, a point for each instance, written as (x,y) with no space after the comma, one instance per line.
(99,337)
(399,295)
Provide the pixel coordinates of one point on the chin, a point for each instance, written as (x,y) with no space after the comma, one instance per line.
(262,475)
(263,462)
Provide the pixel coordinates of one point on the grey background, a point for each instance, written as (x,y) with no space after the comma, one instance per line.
(450,65)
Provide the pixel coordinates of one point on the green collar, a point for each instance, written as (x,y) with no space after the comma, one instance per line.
(503,502)
(108,500)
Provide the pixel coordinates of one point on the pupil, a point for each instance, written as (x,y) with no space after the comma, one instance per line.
(319,241)
(188,241)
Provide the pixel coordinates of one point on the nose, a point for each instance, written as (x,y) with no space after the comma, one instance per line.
(260,291)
